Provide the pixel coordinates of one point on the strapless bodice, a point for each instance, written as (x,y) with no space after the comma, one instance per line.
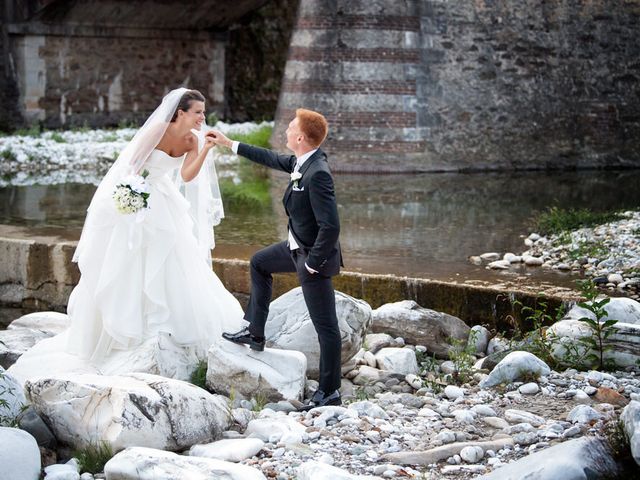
(160,163)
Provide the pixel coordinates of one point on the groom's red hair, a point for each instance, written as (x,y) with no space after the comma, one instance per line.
(313,125)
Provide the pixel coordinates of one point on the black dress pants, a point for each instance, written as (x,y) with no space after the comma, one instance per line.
(318,295)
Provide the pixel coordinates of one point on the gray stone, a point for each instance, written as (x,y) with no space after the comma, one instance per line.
(516,366)
(19,455)
(12,396)
(289,326)
(13,343)
(397,360)
(578,459)
(443,452)
(139,463)
(479,338)
(631,420)
(377,341)
(31,422)
(425,327)
(232,450)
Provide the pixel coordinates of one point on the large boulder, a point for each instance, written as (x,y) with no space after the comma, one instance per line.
(19,455)
(51,323)
(397,360)
(12,398)
(137,409)
(289,326)
(621,347)
(625,310)
(138,463)
(277,374)
(516,366)
(158,355)
(579,459)
(422,326)
(631,421)
(28,330)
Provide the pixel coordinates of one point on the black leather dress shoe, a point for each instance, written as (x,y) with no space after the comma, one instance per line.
(244,337)
(320,399)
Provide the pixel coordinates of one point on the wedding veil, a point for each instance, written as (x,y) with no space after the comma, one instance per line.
(203,193)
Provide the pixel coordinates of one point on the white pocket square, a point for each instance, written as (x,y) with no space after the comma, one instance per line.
(296,189)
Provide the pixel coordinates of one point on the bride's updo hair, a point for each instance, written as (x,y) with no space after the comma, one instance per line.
(185,102)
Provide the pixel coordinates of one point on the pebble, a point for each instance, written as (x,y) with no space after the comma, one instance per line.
(529,388)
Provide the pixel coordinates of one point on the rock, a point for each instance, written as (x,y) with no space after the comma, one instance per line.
(158,355)
(277,374)
(233,450)
(31,422)
(490,256)
(289,326)
(377,341)
(609,395)
(368,376)
(452,392)
(516,366)
(277,429)
(13,343)
(622,346)
(370,359)
(425,327)
(578,459)
(497,344)
(615,278)
(51,323)
(520,416)
(472,454)
(583,414)
(312,470)
(397,360)
(512,258)
(19,455)
(12,397)
(496,422)
(532,261)
(137,409)
(483,410)
(479,339)
(630,418)
(623,309)
(499,265)
(443,452)
(139,463)
(530,388)
(368,409)
(475,259)
(63,471)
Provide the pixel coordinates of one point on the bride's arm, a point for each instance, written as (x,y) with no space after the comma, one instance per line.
(193,163)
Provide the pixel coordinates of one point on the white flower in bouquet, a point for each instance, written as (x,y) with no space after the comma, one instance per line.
(131,196)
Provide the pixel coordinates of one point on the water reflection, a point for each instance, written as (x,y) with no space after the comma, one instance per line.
(417,225)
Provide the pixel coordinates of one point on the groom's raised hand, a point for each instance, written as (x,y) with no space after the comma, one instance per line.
(219,138)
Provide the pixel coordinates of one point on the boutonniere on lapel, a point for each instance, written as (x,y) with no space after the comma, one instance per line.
(295,178)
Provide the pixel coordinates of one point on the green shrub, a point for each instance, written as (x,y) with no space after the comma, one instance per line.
(259,137)
(199,375)
(556,220)
(93,457)
(56,137)
(253,193)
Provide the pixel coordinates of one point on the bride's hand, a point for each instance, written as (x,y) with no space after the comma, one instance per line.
(218,138)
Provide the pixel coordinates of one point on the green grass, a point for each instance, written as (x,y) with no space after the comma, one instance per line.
(56,137)
(33,131)
(7,155)
(250,194)
(557,220)
(259,137)
(93,458)
(589,250)
(199,375)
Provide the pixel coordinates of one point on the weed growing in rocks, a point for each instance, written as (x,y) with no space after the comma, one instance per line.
(463,358)
(93,457)
(7,418)
(601,330)
(587,249)
(555,220)
(199,375)
(259,401)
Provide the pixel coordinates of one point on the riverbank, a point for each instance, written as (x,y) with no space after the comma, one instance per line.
(608,254)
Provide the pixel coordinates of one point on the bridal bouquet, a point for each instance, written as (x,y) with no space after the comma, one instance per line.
(131,196)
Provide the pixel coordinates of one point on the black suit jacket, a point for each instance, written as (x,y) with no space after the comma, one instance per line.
(311,207)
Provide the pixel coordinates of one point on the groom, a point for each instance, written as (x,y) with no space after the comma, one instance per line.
(312,249)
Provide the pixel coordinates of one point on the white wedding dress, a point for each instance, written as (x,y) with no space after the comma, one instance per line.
(147,299)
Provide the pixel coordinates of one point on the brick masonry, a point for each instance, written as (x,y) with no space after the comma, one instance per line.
(468,85)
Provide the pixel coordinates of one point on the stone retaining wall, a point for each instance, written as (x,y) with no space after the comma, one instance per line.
(36,273)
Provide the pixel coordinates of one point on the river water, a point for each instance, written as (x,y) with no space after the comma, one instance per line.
(417,225)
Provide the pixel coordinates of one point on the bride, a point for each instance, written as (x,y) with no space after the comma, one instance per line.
(147,297)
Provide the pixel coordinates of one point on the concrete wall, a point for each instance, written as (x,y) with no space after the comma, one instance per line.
(469,85)
(37,274)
